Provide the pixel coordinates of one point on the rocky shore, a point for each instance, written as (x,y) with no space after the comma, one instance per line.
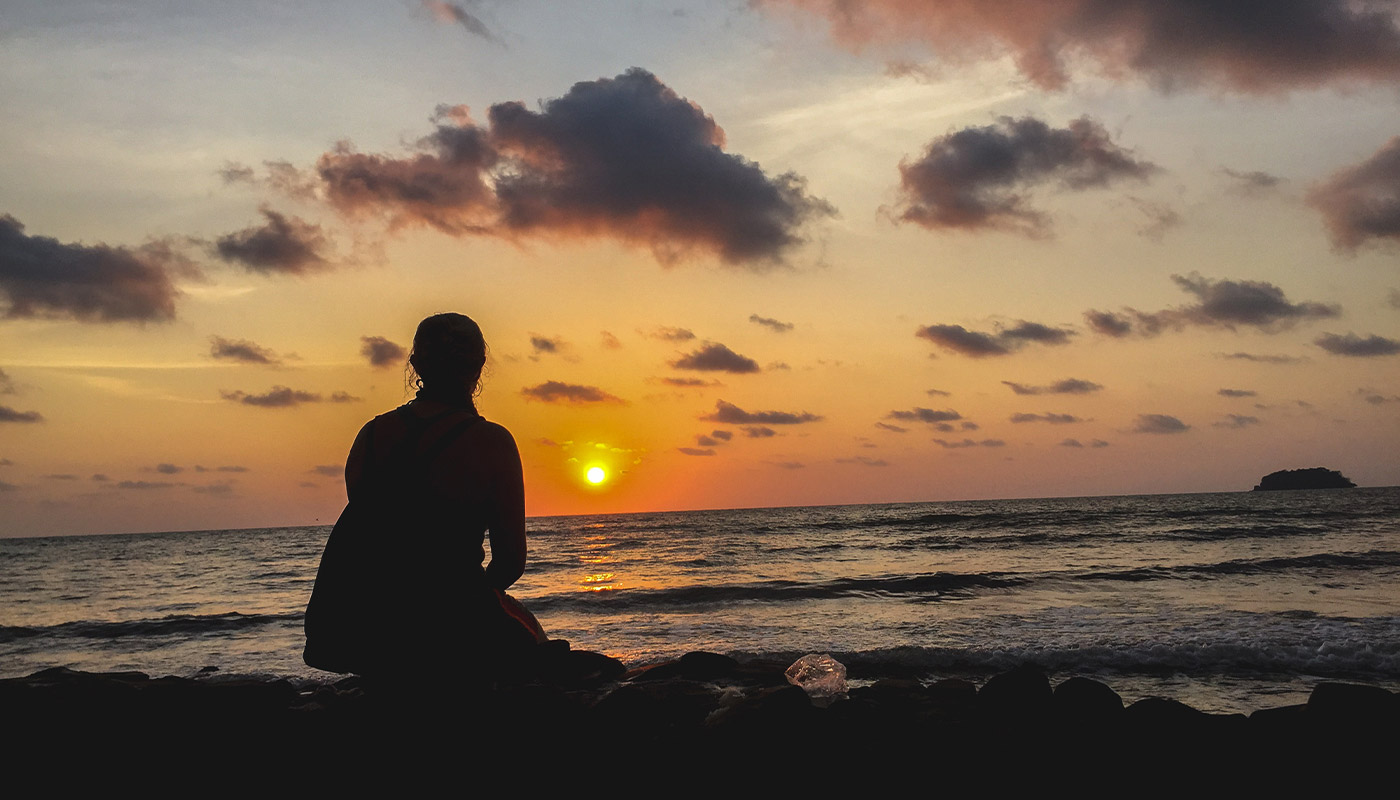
(702,709)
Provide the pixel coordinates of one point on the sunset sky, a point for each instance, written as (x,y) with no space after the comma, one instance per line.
(781,252)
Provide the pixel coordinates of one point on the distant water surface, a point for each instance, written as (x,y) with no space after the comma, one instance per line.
(1229,602)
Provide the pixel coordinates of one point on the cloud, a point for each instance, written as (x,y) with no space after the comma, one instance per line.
(43,277)
(768,322)
(759,431)
(144,485)
(672,334)
(1160,218)
(168,469)
(7,384)
(610,342)
(707,441)
(918,414)
(1237,393)
(454,13)
(546,344)
(976,178)
(957,445)
(892,428)
(1375,398)
(730,414)
(1361,204)
(1221,303)
(1004,341)
(329,470)
(715,357)
(938,393)
(1077,443)
(381,352)
(1392,298)
(1235,421)
(1053,419)
(241,350)
(284,397)
(281,245)
(722,435)
(1159,423)
(571,393)
(689,382)
(696,451)
(1350,344)
(230,468)
(624,158)
(1066,386)
(1255,47)
(788,464)
(1252,183)
(214,488)
(864,461)
(1261,358)
(8,414)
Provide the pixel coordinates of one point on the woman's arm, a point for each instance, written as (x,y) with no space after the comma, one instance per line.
(355,462)
(508,521)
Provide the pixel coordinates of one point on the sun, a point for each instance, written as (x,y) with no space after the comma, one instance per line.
(595,475)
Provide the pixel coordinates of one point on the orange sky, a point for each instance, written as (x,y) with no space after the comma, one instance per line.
(744,256)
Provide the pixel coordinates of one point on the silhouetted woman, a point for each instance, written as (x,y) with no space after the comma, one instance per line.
(401,588)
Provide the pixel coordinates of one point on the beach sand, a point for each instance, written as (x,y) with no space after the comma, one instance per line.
(703,711)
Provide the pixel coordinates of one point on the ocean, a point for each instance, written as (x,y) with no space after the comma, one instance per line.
(1229,602)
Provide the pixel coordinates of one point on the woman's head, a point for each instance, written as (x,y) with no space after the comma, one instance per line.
(448,354)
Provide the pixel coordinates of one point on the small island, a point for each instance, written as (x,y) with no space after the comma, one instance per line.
(1314,478)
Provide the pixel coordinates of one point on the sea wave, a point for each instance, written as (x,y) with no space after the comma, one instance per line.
(173,625)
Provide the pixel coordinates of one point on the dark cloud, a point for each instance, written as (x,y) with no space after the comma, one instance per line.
(1160,218)
(546,344)
(976,178)
(168,469)
(1251,47)
(572,393)
(689,382)
(381,352)
(1237,393)
(1004,341)
(894,428)
(64,476)
(214,488)
(241,350)
(1221,303)
(788,464)
(1066,386)
(1077,443)
(722,435)
(969,425)
(938,393)
(329,470)
(8,487)
(864,461)
(610,341)
(455,14)
(100,478)
(142,485)
(233,173)
(284,397)
(231,468)
(715,357)
(1250,183)
(957,445)
(623,157)
(5,462)
(672,334)
(7,384)
(1159,423)
(1053,419)
(1392,298)
(1235,421)
(282,244)
(1375,398)
(759,431)
(1350,344)
(918,414)
(706,441)
(1361,204)
(43,277)
(1261,358)
(8,414)
(730,414)
(696,451)
(768,322)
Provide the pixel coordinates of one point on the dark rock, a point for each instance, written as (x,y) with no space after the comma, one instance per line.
(1351,705)
(1022,692)
(1083,702)
(1312,478)
(696,666)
